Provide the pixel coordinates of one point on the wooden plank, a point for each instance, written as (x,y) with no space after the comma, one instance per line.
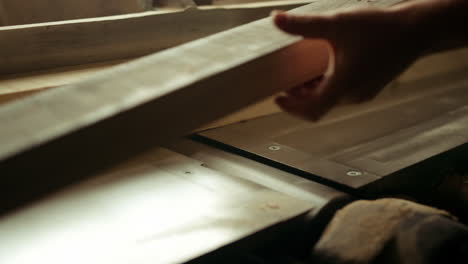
(61,135)
(17,86)
(22,85)
(37,11)
(58,44)
(19,83)
(3,19)
(26,83)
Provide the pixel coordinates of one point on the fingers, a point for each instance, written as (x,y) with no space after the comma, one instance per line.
(320,97)
(313,99)
(304,89)
(307,26)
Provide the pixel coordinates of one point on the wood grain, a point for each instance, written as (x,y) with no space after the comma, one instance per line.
(22,82)
(14,87)
(57,44)
(36,11)
(64,134)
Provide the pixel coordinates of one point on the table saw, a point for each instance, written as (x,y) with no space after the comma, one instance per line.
(256,186)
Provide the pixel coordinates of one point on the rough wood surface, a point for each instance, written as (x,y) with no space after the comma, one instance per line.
(61,135)
(14,87)
(35,11)
(30,81)
(66,43)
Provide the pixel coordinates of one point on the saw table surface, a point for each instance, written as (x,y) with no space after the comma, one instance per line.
(162,207)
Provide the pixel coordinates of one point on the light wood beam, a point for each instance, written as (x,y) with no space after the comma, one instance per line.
(56,44)
(37,11)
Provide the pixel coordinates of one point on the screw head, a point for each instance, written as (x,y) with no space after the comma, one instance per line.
(354,173)
(274,147)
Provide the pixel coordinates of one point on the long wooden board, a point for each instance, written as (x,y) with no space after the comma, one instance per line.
(35,11)
(15,87)
(65,43)
(64,134)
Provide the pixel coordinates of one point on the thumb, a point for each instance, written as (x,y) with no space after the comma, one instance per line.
(308,26)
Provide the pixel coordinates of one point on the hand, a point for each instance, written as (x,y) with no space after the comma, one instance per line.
(368,48)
